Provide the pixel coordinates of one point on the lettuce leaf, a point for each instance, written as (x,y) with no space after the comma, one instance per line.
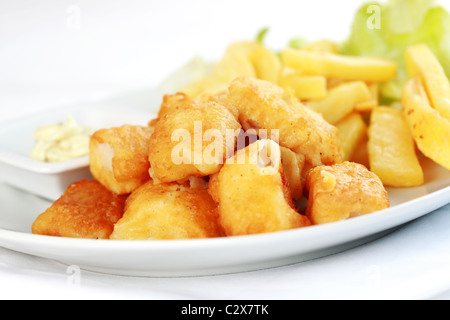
(401,23)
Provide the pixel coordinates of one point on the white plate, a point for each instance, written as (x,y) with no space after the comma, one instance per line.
(206,256)
(215,256)
(49,180)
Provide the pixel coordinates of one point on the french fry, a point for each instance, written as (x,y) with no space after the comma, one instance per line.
(392,152)
(430,129)
(352,132)
(372,103)
(322,46)
(420,60)
(341,101)
(267,64)
(332,65)
(305,87)
(234,63)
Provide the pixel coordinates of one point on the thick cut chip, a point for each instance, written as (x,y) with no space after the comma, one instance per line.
(352,133)
(322,46)
(265,106)
(422,61)
(305,87)
(235,62)
(373,102)
(343,191)
(168,212)
(341,101)
(430,129)
(267,64)
(119,157)
(332,65)
(192,140)
(392,151)
(252,192)
(86,210)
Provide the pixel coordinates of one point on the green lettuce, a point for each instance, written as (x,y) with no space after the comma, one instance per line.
(400,23)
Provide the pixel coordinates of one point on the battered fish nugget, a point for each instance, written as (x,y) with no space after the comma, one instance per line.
(119,157)
(192,141)
(167,212)
(264,105)
(293,165)
(252,192)
(86,210)
(343,191)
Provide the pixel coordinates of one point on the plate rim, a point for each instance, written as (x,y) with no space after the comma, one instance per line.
(383,216)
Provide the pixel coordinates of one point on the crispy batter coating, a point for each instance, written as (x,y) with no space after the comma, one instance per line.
(264,105)
(85,210)
(252,192)
(343,191)
(293,164)
(191,140)
(119,157)
(167,212)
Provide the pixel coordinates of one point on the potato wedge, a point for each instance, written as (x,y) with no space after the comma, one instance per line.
(341,101)
(338,66)
(430,129)
(392,152)
(420,60)
(352,132)
(305,87)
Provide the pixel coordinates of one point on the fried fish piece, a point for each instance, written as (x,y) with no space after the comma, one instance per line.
(293,164)
(168,212)
(252,192)
(119,157)
(191,140)
(343,191)
(264,105)
(86,210)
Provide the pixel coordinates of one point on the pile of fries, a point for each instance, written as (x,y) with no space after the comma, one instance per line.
(388,139)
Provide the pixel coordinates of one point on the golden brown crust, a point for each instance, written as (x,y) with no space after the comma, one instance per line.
(254,198)
(119,157)
(178,148)
(343,191)
(263,105)
(167,212)
(85,210)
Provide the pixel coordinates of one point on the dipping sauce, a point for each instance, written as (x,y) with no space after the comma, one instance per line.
(61,142)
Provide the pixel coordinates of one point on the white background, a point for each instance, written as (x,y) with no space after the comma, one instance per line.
(58,52)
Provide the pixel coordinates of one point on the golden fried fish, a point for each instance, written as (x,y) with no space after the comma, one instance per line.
(252,192)
(264,105)
(191,140)
(119,157)
(85,210)
(343,191)
(167,212)
(293,164)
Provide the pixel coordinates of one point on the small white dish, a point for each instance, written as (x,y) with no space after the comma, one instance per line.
(50,180)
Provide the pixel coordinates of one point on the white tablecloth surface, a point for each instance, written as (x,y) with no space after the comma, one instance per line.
(58,52)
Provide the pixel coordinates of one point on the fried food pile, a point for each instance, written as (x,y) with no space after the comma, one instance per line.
(266,142)
(216,165)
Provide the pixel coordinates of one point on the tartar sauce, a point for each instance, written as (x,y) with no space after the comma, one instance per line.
(61,142)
